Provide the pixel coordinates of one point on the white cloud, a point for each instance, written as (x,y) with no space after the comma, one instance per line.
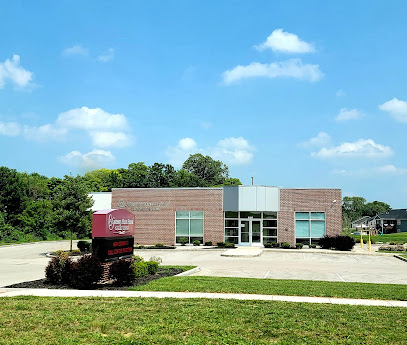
(292,68)
(10,70)
(76,50)
(349,114)
(106,56)
(390,170)
(285,42)
(397,108)
(322,139)
(110,139)
(10,129)
(88,161)
(92,119)
(359,149)
(44,133)
(340,172)
(229,150)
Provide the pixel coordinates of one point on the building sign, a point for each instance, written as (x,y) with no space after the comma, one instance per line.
(142,206)
(112,223)
(113,248)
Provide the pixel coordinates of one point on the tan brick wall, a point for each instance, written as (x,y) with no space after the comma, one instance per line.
(317,200)
(154,210)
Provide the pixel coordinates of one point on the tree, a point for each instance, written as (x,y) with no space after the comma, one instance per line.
(160,175)
(72,209)
(372,208)
(352,207)
(37,218)
(206,168)
(135,176)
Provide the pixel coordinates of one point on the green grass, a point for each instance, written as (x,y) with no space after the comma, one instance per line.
(130,321)
(401,236)
(184,268)
(277,287)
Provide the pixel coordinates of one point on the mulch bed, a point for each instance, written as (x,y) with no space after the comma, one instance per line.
(43,284)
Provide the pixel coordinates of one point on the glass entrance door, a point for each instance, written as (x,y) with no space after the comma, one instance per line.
(245,232)
(250,232)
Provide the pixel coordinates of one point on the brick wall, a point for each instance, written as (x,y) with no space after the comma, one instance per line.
(154,210)
(317,200)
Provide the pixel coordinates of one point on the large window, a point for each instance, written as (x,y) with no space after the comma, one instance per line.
(189,224)
(309,226)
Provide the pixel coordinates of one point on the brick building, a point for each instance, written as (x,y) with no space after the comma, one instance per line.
(244,215)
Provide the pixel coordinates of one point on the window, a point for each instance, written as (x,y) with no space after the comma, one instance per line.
(309,226)
(189,224)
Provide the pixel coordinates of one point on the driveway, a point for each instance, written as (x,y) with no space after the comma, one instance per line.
(27,262)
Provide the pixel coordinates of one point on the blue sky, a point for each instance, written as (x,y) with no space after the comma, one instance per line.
(293,93)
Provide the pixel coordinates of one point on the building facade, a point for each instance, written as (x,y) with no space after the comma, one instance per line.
(244,215)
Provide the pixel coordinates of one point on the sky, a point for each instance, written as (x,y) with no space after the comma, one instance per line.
(297,94)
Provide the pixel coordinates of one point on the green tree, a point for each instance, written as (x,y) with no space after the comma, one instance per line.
(185,179)
(206,168)
(37,218)
(72,209)
(352,207)
(160,175)
(372,208)
(135,176)
(232,181)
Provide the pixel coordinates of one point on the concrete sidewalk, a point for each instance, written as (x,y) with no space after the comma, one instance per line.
(163,294)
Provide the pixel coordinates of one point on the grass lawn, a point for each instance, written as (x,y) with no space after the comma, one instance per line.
(401,236)
(126,321)
(277,287)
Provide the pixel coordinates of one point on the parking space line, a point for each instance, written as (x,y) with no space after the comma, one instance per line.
(350,256)
(265,276)
(340,277)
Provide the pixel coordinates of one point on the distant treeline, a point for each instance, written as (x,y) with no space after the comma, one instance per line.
(35,207)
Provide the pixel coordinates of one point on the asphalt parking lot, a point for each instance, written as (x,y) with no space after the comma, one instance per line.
(24,262)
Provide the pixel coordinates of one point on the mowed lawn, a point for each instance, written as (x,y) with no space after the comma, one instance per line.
(125,321)
(397,237)
(278,287)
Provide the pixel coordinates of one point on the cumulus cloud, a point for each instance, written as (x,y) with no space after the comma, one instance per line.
(322,139)
(44,133)
(361,148)
(10,129)
(11,71)
(88,161)
(292,68)
(285,42)
(349,114)
(110,139)
(229,150)
(106,56)
(396,108)
(390,170)
(75,50)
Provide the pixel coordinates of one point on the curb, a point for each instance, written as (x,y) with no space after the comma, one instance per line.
(400,257)
(187,273)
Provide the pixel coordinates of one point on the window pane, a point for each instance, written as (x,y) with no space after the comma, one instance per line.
(177,239)
(270,223)
(234,240)
(182,226)
(231,223)
(269,232)
(269,239)
(232,232)
(317,215)
(302,228)
(250,214)
(270,215)
(197,227)
(197,214)
(182,214)
(302,240)
(301,215)
(317,228)
(230,214)
(199,238)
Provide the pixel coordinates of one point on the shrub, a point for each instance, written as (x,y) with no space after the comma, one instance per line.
(54,272)
(84,246)
(285,245)
(399,248)
(196,243)
(396,242)
(156,259)
(385,248)
(159,245)
(183,241)
(138,258)
(268,245)
(121,271)
(343,242)
(208,243)
(140,269)
(152,267)
(275,244)
(299,245)
(327,242)
(229,245)
(220,244)
(312,245)
(86,272)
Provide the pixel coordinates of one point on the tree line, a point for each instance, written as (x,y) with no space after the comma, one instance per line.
(35,207)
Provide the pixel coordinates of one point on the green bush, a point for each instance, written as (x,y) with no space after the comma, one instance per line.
(220,244)
(285,245)
(396,242)
(156,259)
(140,269)
(138,258)
(327,242)
(299,245)
(152,267)
(159,245)
(229,245)
(121,271)
(275,244)
(208,243)
(343,243)
(196,243)
(86,272)
(312,245)
(57,269)
(268,245)
(183,241)
(84,246)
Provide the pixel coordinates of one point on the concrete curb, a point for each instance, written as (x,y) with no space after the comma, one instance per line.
(400,257)
(189,272)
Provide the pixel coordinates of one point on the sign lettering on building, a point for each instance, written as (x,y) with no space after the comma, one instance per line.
(142,205)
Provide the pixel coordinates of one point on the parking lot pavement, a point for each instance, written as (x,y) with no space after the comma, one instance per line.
(25,262)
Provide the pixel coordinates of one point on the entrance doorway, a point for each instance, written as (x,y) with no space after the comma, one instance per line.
(250,232)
